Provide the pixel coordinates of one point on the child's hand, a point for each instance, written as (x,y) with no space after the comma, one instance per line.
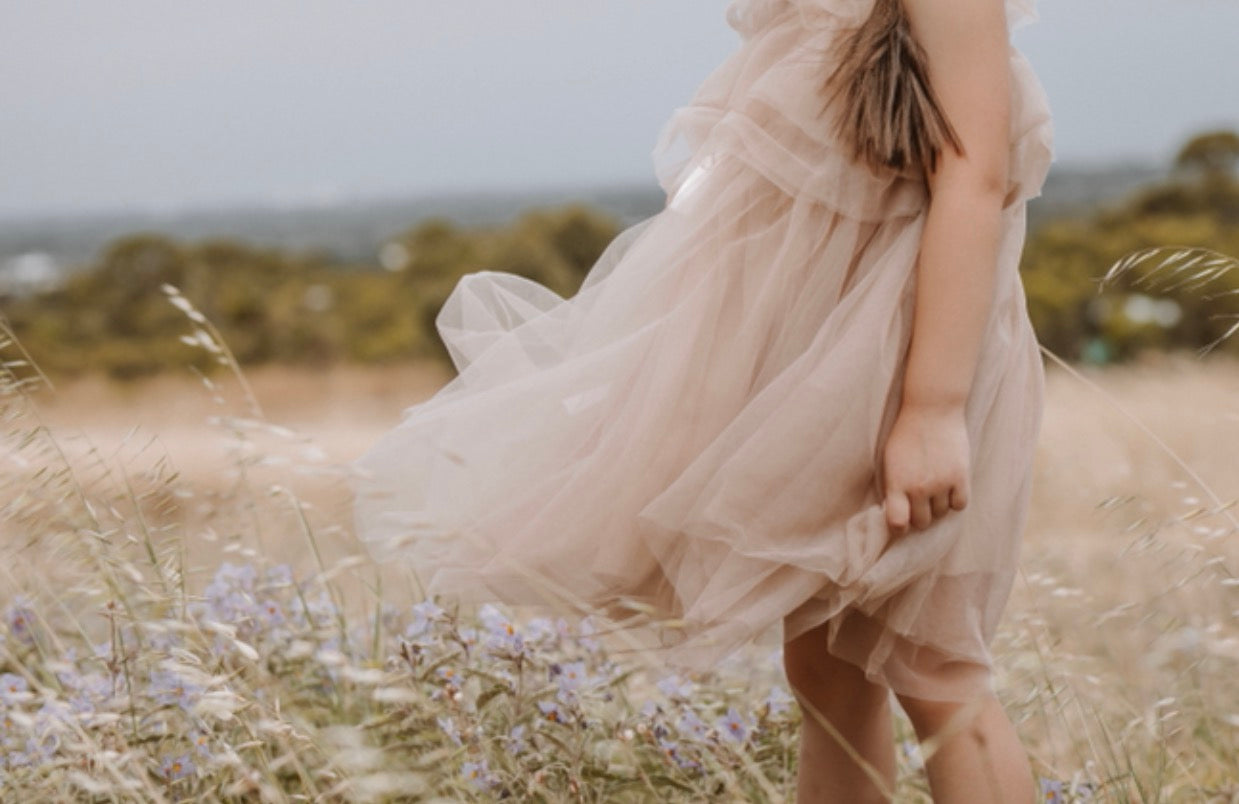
(926,466)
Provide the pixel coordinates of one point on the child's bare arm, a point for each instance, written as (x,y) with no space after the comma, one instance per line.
(926,457)
(967,51)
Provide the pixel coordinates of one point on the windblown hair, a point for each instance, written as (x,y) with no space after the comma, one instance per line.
(890,115)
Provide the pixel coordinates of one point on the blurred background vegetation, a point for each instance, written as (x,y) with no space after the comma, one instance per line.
(311,307)
(277,305)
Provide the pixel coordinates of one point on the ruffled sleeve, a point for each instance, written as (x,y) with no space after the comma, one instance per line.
(1021,12)
(1032,131)
(834,13)
(765,107)
(749,16)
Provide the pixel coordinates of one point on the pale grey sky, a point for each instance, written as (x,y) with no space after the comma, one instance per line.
(146,104)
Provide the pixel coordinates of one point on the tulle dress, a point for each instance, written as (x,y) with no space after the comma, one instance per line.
(693,439)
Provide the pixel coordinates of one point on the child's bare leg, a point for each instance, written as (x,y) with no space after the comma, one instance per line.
(979,758)
(859,712)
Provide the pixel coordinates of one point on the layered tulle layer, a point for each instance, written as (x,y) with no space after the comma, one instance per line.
(765,105)
(692,442)
(696,434)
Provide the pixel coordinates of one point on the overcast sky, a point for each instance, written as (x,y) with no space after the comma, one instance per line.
(156,104)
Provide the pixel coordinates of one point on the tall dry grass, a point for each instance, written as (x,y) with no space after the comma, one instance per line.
(187,615)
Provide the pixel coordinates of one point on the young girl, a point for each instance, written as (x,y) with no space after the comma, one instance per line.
(806,393)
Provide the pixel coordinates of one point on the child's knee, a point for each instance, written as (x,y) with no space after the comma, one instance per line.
(812,669)
(929,716)
(932,688)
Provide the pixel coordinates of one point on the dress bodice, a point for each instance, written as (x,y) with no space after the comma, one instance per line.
(765,105)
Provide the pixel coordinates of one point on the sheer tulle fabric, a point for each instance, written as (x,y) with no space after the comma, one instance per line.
(695,436)
(748,16)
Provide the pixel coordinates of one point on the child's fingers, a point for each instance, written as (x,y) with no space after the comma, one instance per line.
(897,511)
(959,496)
(922,516)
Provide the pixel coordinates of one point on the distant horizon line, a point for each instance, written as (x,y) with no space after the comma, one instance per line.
(308,201)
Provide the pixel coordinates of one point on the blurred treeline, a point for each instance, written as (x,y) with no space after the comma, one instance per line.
(1196,206)
(275,306)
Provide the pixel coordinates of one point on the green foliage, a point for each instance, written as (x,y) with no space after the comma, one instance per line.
(553,247)
(272,306)
(301,308)
(1210,153)
(1064,261)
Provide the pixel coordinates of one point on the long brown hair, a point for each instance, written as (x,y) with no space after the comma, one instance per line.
(890,115)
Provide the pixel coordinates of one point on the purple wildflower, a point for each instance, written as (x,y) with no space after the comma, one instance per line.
(13,688)
(271,613)
(19,616)
(691,725)
(778,700)
(503,637)
(912,750)
(673,752)
(168,687)
(449,675)
(201,743)
(173,768)
(585,638)
(515,743)
(733,726)
(449,728)
(425,614)
(1052,790)
(552,711)
(478,773)
(281,575)
(541,630)
(675,687)
(572,676)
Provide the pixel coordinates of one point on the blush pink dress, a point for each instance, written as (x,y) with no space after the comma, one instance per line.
(691,443)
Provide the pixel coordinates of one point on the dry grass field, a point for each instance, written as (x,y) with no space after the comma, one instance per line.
(1118,654)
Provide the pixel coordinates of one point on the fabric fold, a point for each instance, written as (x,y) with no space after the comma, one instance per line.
(691,444)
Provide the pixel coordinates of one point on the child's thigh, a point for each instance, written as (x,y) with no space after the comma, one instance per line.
(811,668)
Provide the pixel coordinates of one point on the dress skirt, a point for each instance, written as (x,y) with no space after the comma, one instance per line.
(691,444)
